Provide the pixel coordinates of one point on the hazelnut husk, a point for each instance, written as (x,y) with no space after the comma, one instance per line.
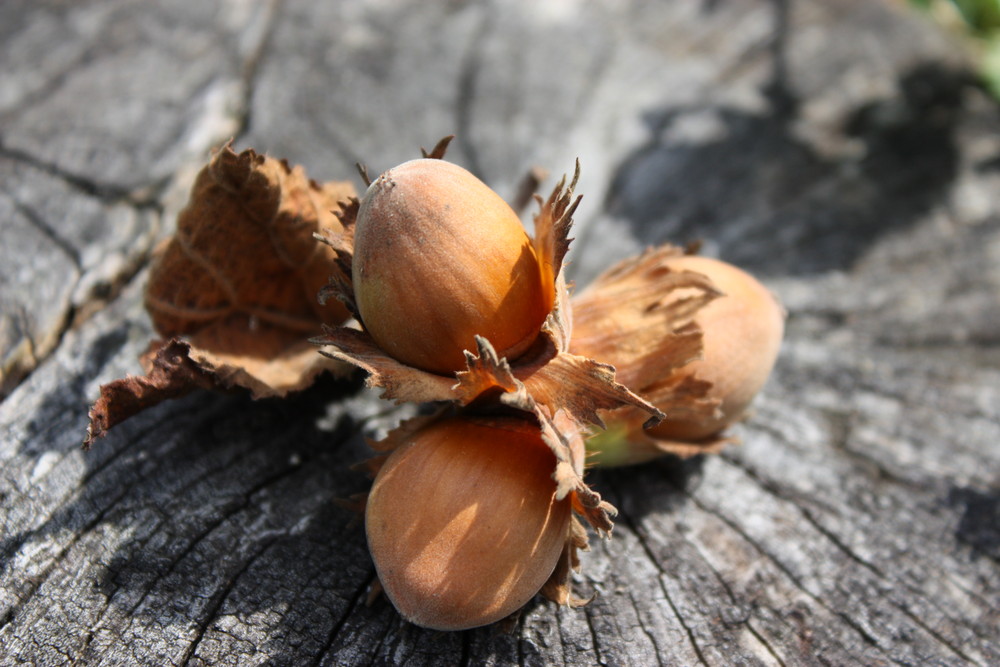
(233,292)
(432,264)
(414,253)
(544,373)
(741,335)
(476,507)
(698,339)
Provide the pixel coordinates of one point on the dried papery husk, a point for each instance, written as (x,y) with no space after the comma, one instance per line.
(742,335)
(561,381)
(244,251)
(233,292)
(697,340)
(463,520)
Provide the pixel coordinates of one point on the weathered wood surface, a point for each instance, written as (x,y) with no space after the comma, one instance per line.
(836,148)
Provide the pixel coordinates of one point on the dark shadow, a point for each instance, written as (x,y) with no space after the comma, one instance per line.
(230,505)
(659,486)
(231,509)
(769,201)
(59,409)
(979,526)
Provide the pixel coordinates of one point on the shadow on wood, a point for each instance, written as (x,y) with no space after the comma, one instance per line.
(767,200)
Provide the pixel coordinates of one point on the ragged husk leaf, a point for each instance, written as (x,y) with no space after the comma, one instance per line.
(561,381)
(233,292)
(643,315)
(559,588)
(742,333)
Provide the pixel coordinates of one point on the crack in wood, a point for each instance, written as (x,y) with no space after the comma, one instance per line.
(465,657)
(377,647)
(355,600)
(765,643)
(252,64)
(944,641)
(625,520)
(108,193)
(48,231)
(595,642)
(219,598)
(638,609)
(745,622)
(774,490)
(844,616)
(680,619)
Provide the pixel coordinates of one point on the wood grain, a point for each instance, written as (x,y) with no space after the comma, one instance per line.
(840,150)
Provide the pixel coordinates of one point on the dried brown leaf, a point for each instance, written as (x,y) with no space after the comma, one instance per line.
(171,373)
(401,383)
(265,360)
(238,282)
(583,387)
(244,246)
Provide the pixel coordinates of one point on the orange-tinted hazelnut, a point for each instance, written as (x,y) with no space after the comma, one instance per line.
(463,524)
(440,258)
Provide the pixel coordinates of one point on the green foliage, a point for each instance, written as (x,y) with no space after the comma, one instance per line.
(990,65)
(980,19)
(982,16)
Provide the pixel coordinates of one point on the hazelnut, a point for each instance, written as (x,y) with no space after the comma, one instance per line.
(440,258)
(463,522)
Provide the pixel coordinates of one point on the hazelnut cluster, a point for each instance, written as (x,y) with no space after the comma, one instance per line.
(480,503)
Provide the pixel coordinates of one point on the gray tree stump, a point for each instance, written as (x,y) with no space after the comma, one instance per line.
(837,148)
